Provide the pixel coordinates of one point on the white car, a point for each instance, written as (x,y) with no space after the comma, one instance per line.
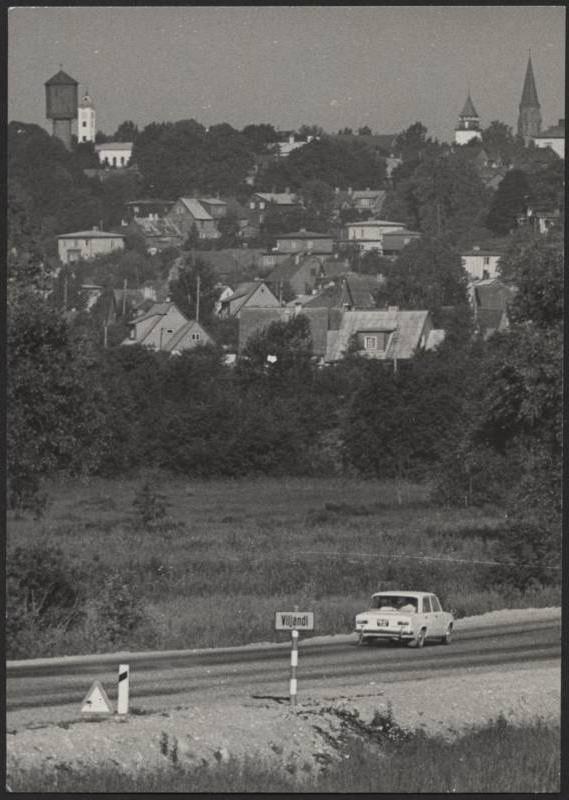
(401,616)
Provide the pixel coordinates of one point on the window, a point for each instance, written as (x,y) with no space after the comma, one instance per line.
(84,123)
(75,243)
(122,161)
(195,337)
(435,603)
(114,161)
(370,342)
(86,242)
(426,605)
(84,138)
(486,260)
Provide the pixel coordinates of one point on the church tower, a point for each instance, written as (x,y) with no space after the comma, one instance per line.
(468,124)
(86,120)
(529,120)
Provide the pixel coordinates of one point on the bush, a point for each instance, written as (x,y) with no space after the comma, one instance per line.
(119,609)
(43,590)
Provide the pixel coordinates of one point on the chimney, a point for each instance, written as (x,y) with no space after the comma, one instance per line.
(303,230)
(476,248)
(291,138)
(95,227)
(368,189)
(287,189)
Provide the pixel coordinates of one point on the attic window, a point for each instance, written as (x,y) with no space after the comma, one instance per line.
(370,342)
(195,337)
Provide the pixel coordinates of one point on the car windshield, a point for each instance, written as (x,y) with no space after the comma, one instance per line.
(393,602)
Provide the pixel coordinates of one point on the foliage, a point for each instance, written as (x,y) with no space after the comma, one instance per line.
(43,590)
(512,198)
(184,288)
(119,606)
(427,275)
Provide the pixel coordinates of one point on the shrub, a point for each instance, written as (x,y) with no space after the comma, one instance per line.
(120,609)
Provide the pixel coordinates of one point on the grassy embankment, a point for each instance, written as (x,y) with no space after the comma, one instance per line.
(497,758)
(231,553)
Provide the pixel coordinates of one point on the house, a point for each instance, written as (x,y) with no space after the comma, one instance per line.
(261,202)
(489,299)
(394,241)
(232,264)
(299,272)
(114,154)
(387,335)
(214,206)
(482,262)
(541,220)
(553,137)
(188,212)
(368,234)
(146,209)
(303,242)
(163,327)
(87,244)
(290,141)
(158,234)
(254,294)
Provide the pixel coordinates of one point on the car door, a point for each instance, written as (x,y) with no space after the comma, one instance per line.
(439,626)
(428,616)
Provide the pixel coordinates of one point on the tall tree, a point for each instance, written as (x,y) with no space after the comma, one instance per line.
(512,198)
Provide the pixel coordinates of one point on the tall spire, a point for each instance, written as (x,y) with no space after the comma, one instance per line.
(529,93)
(469,110)
(529,119)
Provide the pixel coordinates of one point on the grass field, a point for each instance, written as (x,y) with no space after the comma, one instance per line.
(230,553)
(497,758)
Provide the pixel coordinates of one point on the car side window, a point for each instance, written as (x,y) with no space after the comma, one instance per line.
(436,604)
(426,605)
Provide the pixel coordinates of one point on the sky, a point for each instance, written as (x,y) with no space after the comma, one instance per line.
(333,66)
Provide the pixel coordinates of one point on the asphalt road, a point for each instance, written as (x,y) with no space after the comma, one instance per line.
(53,691)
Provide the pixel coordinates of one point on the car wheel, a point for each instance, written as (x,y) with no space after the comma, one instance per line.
(419,640)
(447,638)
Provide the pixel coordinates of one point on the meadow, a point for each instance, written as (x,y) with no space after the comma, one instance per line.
(215,559)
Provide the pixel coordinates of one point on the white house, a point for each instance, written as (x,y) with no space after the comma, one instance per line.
(481,263)
(87,244)
(553,137)
(368,234)
(114,154)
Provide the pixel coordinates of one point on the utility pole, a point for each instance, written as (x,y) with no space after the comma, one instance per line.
(198,299)
(124,297)
(65,289)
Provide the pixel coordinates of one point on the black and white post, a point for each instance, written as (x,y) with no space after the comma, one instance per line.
(293,666)
(122,702)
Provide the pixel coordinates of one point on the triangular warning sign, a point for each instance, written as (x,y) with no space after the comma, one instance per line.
(96,701)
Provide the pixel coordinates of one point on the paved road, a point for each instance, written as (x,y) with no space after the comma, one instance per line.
(52,691)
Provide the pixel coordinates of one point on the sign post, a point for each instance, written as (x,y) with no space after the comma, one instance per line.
(294,621)
(122,702)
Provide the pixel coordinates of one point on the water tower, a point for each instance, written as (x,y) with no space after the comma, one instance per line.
(61,105)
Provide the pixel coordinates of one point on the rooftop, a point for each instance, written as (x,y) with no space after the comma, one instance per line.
(61,78)
(92,234)
(113,146)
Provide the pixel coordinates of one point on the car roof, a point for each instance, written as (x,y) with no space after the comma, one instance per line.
(398,592)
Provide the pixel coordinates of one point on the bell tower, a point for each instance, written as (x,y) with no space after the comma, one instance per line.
(86,119)
(468,124)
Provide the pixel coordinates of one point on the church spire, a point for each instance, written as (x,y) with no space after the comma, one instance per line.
(529,93)
(529,120)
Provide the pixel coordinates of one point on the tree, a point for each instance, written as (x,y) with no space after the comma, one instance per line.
(260,137)
(310,130)
(512,198)
(126,132)
(184,290)
(412,142)
(364,131)
(427,275)
(499,142)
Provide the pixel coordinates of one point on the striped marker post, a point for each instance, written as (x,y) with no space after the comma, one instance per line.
(122,703)
(293,666)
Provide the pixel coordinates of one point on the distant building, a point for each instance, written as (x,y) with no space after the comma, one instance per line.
(61,105)
(468,126)
(529,119)
(86,120)
(292,142)
(188,213)
(481,262)
(553,137)
(147,209)
(254,294)
(163,327)
(87,244)
(114,154)
(490,299)
(369,233)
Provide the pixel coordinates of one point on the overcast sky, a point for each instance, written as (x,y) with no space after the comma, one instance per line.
(385,67)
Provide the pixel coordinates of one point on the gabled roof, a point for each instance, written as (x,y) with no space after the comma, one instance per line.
(286,269)
(375,222)
(212,201)
(407,327)
(157,310)
(468,110)
(368,194)
(91,235)
(529,92)
(492,294)
(174,340)
(195,208)
(61,78)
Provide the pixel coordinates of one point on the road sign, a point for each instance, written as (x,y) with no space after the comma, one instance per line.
(294,620)
(96,701)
